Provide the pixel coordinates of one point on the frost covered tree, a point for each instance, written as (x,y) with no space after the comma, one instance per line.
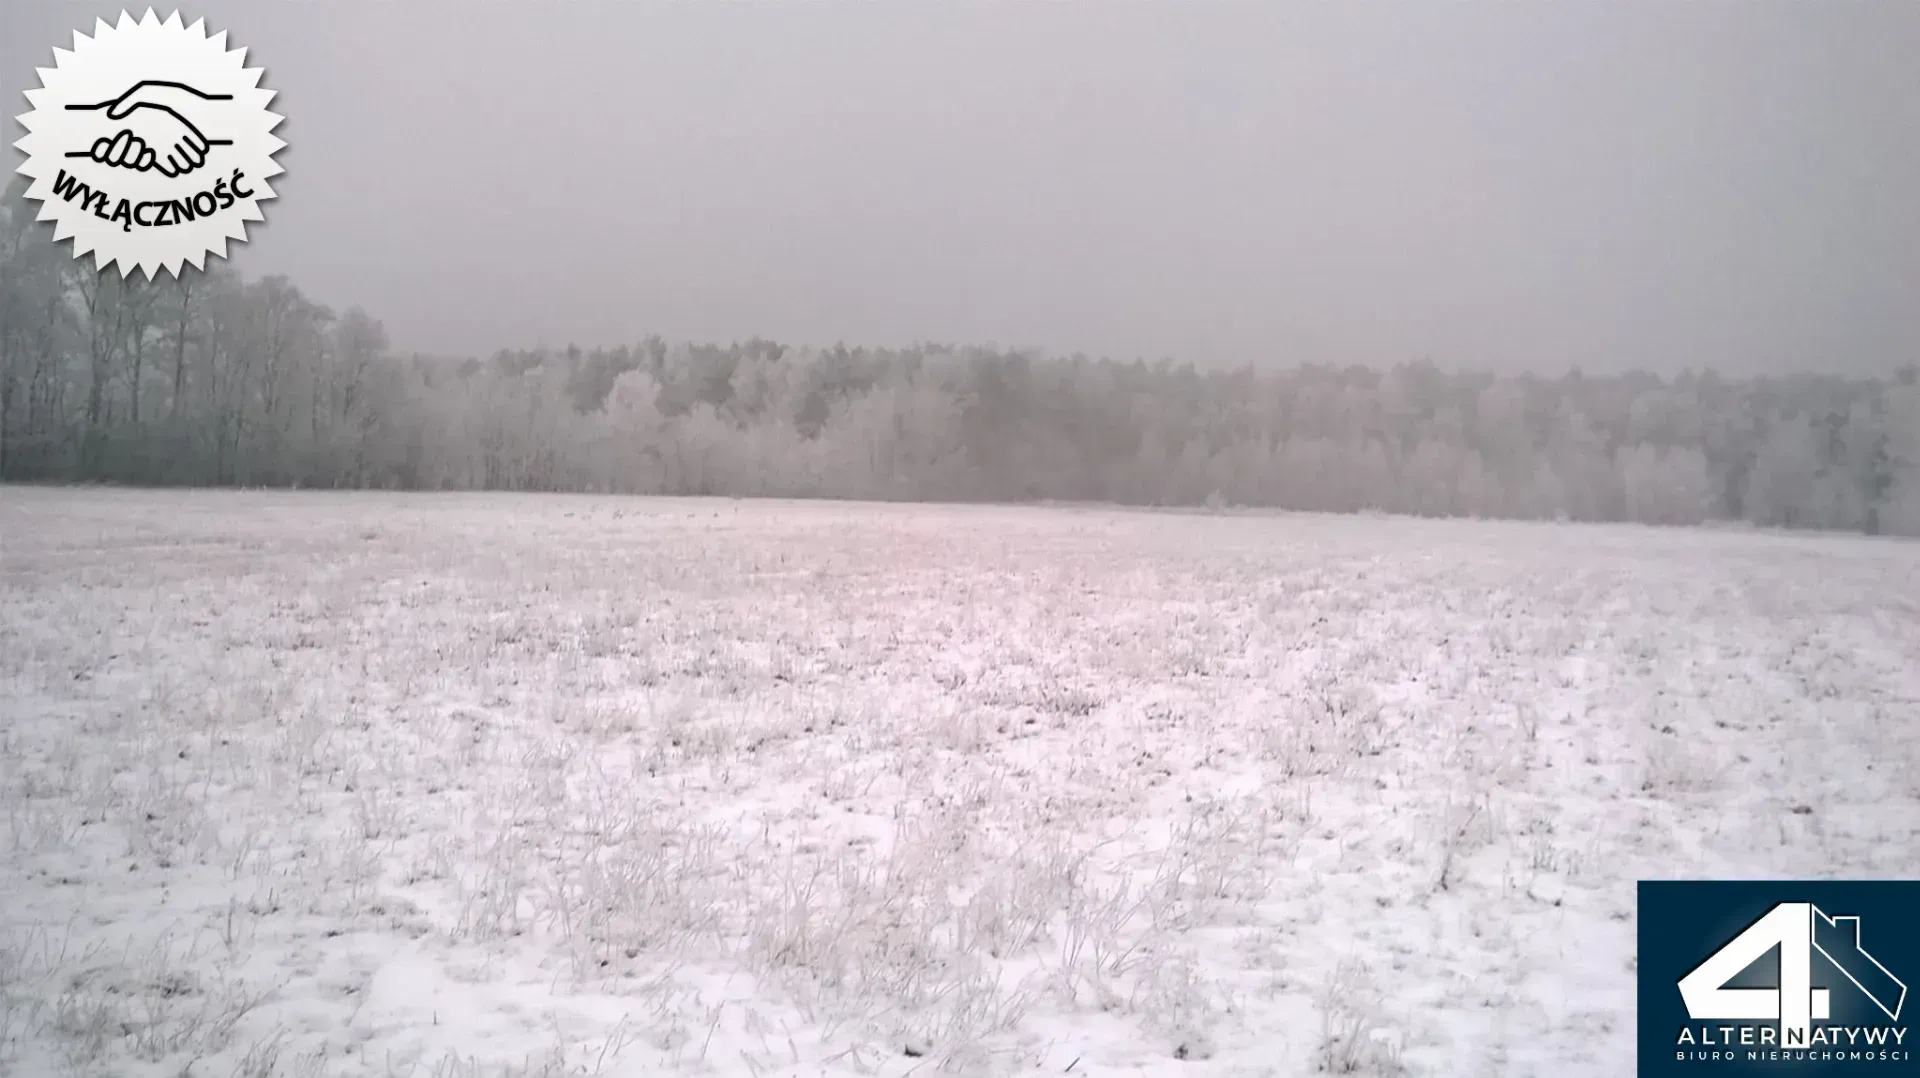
(1899,507)
(1666,486)
(1783,484)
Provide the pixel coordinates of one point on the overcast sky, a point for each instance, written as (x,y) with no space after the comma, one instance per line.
(1505,185)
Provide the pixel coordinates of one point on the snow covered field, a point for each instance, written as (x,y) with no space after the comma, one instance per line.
(452,785)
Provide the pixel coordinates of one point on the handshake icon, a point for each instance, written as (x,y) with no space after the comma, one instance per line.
(155,133)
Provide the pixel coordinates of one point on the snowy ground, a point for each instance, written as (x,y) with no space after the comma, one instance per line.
(453,785)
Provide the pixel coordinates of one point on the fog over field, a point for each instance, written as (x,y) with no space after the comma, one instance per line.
(214,380)
(824,540)
(463,784)
(1516,186)
(1449,260)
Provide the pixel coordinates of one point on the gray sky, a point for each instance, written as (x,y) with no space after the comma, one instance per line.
(1507,185)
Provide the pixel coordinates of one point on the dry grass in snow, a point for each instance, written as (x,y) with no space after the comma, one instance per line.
(306,784)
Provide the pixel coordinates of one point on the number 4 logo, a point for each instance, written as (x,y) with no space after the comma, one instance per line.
(1798,929)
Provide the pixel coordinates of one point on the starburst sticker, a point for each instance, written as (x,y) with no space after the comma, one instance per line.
(150,145)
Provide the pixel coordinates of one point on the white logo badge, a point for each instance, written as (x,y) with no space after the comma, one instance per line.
(1799,930)
(150,144)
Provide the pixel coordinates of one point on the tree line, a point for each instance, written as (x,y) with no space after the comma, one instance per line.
(211,379)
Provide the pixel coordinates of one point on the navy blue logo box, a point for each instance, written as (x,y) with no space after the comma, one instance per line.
(1778,977)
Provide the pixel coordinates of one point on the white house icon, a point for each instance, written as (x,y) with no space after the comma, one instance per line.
(1800,930)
